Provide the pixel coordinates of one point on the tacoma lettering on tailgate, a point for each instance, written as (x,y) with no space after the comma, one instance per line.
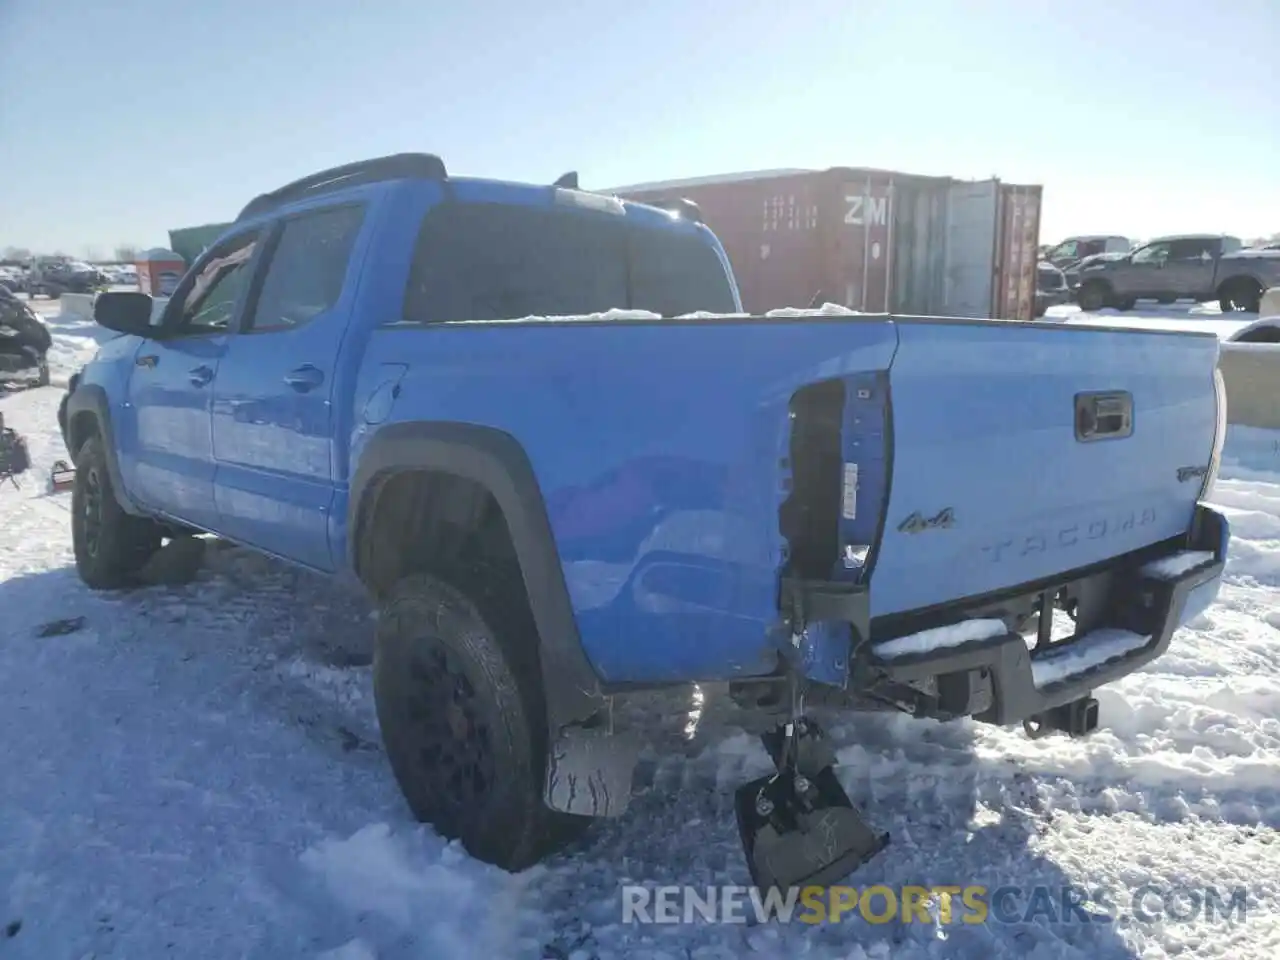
(1018,547)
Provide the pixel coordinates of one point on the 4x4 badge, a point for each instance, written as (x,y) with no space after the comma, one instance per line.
(917,523)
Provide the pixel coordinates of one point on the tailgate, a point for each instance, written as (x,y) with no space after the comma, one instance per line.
(993,483)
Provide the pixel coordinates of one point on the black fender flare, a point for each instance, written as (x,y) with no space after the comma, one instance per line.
(496,461)
(89,400)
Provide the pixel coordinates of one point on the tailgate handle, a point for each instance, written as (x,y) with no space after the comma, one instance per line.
(1104,416)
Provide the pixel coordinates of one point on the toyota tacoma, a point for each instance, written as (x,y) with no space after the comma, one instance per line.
(532,422)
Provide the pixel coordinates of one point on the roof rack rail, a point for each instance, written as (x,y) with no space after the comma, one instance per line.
(682,207)
(568,181)
(397,166)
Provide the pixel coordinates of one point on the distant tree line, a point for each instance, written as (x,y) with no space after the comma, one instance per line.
(124,253)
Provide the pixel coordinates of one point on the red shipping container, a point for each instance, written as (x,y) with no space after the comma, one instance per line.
(872,240)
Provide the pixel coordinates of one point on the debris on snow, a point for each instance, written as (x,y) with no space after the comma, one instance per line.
(60,628)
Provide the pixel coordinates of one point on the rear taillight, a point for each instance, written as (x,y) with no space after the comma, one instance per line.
(836,477)
(864,477)
(1219,434)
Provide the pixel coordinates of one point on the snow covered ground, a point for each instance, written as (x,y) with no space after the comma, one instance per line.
(197,773)
(1151,315)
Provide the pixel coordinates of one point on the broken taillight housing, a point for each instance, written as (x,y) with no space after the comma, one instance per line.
(1219,434)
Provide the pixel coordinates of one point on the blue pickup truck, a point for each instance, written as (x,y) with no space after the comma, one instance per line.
(532,422)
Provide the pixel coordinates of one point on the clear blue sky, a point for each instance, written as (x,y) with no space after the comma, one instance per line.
(122,118)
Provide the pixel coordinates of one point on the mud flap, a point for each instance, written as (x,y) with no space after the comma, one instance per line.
(589,772)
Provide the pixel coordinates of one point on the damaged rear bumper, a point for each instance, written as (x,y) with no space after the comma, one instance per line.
(995,677)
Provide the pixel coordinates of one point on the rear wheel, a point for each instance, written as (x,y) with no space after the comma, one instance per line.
(461,711)
(111,546)
(1242,294)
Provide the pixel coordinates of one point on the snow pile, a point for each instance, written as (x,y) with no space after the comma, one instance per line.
(941,638)
(1175,565)
(826,310)
(411,881)
(1090,651)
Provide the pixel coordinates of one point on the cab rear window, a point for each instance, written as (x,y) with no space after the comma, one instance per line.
(478,261)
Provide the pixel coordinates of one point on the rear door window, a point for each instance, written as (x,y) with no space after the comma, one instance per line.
(676,273)
(478,261)
(492,262)
(1192,249)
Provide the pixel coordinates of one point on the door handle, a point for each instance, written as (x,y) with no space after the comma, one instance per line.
(150,361)
(200,376)
(304,378)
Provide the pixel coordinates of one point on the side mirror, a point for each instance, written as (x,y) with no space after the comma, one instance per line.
(124,312)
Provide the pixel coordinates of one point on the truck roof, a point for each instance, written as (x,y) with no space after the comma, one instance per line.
(354,178)
(1192,236)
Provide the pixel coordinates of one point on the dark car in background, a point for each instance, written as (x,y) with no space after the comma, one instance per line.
(24,342)
(53,277)
(1051,287)
(1073,253)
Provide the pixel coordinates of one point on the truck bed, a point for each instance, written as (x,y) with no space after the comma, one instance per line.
(688,465)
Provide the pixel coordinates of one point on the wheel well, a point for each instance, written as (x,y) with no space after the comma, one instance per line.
(1237,283)
(432,521)
(82,426)
(452,527)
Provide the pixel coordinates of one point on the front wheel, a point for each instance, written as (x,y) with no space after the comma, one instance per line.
(111,546)
(1093,296)
(463,723)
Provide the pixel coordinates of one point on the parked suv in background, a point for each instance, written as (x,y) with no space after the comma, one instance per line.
(1069,255)
(1195,266)
(53,277)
